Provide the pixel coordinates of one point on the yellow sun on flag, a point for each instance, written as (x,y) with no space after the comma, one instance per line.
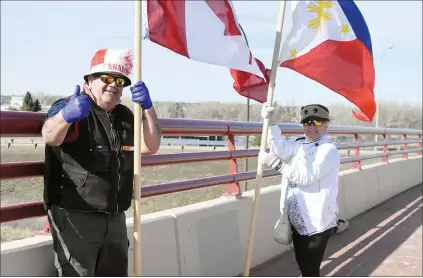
(293,53)
(322,15)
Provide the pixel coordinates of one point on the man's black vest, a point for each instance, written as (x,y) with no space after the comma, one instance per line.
(93,173)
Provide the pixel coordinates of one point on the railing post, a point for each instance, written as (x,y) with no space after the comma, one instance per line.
(46,230)
(356,164)
(404,138)
(385,148)
(420,144)
(232,189)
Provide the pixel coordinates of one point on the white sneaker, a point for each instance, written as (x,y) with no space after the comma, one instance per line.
(342,226)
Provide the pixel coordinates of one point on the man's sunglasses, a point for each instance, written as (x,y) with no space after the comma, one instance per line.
(313,122)
(108,79)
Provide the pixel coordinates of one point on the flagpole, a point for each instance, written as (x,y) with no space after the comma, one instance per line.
(259,175)
(244,187)
(137,142)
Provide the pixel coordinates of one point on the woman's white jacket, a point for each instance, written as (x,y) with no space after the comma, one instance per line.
(310,172)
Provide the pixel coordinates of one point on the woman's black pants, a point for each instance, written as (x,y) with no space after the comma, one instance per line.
(309,251)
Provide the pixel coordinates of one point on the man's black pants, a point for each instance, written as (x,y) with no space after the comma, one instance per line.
(89,244)
(309,251)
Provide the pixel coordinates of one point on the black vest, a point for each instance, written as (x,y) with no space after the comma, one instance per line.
(93,173)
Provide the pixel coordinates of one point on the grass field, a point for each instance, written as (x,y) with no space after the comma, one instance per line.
(30,189)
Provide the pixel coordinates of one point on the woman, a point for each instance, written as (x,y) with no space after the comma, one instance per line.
(309,167)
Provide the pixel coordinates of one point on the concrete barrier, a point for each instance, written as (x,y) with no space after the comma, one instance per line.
(265,247)
(159,250)
(390,178)
(28,257)
(210,238)
(360,189)
(412,172)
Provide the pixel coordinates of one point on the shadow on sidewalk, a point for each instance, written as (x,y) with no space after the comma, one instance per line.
(371,238)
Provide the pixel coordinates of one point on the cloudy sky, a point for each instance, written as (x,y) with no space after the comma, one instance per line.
(47,46)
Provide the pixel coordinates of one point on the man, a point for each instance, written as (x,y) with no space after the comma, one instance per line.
(309,167)
(88,174)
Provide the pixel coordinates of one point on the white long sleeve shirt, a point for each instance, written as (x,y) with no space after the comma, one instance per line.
(309,186)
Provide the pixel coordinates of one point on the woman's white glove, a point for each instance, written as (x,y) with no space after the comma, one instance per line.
(270,159)
(268,112)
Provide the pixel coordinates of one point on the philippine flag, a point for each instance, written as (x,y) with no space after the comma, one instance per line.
(330,43)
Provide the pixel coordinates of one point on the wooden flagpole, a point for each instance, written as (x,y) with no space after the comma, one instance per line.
(137,142)
(259,175)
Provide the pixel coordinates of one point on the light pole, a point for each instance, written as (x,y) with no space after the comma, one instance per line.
(377,97)
(244,187)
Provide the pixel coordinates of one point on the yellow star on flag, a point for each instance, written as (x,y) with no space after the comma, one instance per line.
(293,53)
(344,29)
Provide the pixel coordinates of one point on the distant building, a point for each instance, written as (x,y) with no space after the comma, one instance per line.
(201,141)
(16,102)
(5,107)
(45,108)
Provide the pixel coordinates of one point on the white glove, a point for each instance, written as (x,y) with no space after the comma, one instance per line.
(268,158)
(268,112)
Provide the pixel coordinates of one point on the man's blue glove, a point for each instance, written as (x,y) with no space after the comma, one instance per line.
(141,95)
(77,108)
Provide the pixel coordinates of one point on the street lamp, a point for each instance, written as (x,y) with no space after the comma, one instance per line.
(379,87)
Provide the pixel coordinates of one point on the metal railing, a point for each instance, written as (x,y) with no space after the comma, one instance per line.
(28,124)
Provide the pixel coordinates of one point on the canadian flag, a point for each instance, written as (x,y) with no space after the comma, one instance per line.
(250,85)
(205,31)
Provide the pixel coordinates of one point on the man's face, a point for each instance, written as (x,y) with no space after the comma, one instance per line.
(104,90)
(314,129)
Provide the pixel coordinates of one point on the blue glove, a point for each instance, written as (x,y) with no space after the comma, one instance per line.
(141,95)
(77,108)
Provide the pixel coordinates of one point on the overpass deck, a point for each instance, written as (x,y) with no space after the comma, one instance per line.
(384,241)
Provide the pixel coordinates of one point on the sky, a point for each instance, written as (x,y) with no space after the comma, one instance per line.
(47,46)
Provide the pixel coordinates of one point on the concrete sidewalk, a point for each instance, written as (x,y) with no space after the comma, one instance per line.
(384,241)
